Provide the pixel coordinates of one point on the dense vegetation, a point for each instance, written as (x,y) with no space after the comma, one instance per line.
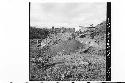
(68,55)
(38,33)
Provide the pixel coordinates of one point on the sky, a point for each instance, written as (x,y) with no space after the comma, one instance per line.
(67,14)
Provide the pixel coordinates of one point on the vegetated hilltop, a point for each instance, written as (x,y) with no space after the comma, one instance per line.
(68,55)
(38,33)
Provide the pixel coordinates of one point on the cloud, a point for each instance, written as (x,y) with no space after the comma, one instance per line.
(67,13)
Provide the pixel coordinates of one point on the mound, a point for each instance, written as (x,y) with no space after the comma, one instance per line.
(65,47)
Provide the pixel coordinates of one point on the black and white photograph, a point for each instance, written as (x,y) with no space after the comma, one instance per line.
(69,41)
(62,41)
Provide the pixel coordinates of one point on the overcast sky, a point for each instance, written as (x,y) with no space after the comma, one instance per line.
(67,14)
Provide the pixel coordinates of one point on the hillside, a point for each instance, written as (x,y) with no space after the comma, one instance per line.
(68,55)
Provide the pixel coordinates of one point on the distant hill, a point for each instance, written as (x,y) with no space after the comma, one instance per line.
(42,33)
(98,30)
(38,33)
(101,27)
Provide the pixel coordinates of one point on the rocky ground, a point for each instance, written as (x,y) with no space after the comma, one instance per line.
(70,57)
